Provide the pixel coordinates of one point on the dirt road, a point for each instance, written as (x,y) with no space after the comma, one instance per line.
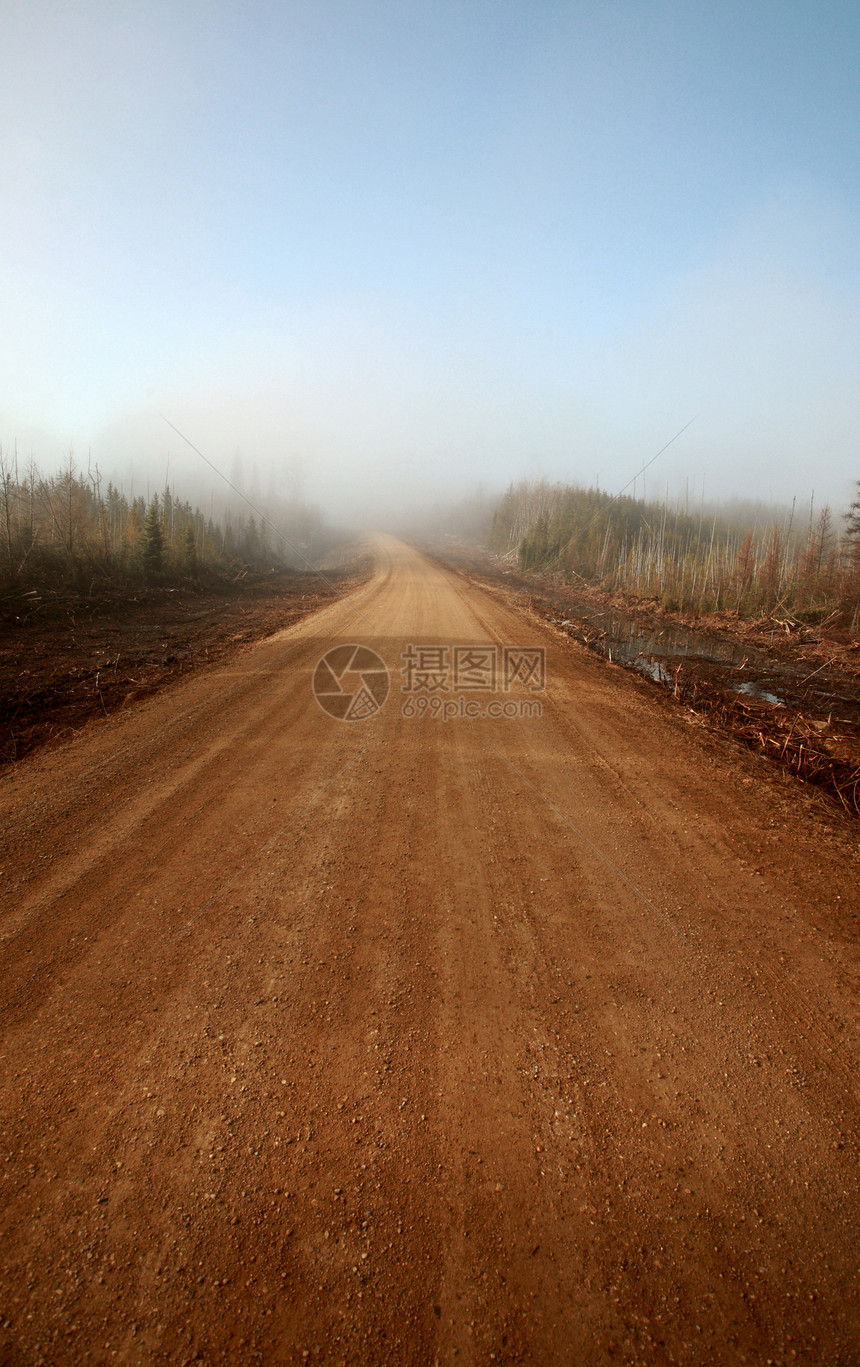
(401,1040)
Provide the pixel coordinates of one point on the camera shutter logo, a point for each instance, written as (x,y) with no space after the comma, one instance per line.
(351,683)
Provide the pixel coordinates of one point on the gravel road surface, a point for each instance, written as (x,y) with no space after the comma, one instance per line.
(517,1039)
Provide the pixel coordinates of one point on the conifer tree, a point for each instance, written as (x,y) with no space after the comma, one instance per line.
(189,550)
(153,540)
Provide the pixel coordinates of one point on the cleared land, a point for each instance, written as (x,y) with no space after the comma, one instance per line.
(513,1040)
(70,658)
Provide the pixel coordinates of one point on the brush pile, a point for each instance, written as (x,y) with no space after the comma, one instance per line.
(825,752)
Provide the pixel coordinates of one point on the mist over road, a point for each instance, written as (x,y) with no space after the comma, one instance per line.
(519,1038)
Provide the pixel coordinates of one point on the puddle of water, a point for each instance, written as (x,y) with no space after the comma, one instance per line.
(653,650)
(653,668)
(755,690)
(625,640)
(628,635)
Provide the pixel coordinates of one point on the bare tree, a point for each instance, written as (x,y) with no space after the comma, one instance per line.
(852,517)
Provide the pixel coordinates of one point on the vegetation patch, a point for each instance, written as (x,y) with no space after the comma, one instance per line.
(746,562)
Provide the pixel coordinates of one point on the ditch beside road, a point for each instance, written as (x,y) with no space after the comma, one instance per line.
(789,692)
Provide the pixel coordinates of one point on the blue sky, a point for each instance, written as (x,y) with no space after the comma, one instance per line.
(415,246)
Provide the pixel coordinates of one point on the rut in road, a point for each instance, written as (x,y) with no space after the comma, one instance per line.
(528,1038)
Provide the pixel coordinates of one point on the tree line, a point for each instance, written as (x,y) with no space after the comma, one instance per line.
(72,527)
(808,565)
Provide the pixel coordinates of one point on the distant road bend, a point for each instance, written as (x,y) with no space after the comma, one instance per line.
(514,1039)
